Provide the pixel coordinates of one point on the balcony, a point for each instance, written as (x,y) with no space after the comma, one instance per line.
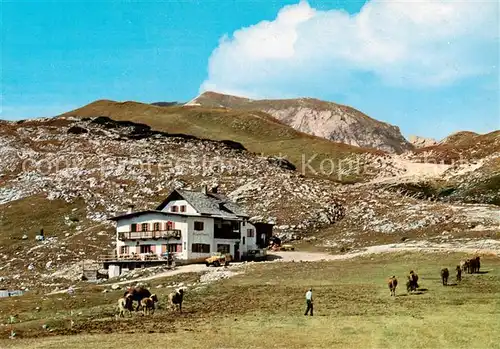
(150,235)
(226,233)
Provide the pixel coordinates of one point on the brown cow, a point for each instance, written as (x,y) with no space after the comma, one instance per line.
(444,276)
(412,283)
(464,265)
(176,298)
(393,283)
(473,265)
(414,278)
(148,304)
(124,304)
(138,294)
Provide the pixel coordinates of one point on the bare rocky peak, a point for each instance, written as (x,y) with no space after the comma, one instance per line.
(328,120)
(422,142)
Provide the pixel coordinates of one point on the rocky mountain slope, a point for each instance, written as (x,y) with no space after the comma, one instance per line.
(328,120)
(464,167)
(68,175)
(460,147)
(257,131)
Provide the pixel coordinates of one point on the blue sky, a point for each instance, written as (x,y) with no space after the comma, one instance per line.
(429,70)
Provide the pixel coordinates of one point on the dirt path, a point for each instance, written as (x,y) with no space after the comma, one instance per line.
(491,247)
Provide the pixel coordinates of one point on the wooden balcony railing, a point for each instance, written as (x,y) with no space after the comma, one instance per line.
(134,257)
(145,235)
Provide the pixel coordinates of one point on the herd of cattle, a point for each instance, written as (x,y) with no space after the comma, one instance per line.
(146,300)
(469,265)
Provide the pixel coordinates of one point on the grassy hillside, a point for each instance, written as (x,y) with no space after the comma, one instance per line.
(263,308)
(257,131)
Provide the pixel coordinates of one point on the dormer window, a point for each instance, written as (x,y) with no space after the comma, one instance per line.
(174,209)
(183,208)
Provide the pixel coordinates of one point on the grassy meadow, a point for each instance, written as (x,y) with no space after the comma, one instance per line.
(263,308)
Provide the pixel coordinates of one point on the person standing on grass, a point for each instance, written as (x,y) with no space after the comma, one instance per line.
(309,302)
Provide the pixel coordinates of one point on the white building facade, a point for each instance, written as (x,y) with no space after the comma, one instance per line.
(190,225)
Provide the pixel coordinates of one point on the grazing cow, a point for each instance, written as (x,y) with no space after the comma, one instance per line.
(124,304)
(409,285)
(414,279)
(412,283)
(393,283)
(137,294)
(459,273)
(176,298)
(444,276)
(464,265)
(148,304)
(475,264)
(468,265)
(472,265)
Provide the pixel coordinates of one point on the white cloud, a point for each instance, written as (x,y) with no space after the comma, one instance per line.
(405,42)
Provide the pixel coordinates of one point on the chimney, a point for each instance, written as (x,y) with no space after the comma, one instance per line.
(215,189)
(130,208)
(204,189)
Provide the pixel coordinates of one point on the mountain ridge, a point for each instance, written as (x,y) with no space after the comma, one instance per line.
(329,120)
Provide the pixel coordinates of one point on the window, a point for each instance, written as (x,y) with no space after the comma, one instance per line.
(200,248)
(184,246)
(124,250)
(198,226)
(133,227)
(174,248)
(146,249)
(183,208)
(144,227)
(174,209)
(243,240)
(223,248)
(170,225)
(250,233)
(156,226)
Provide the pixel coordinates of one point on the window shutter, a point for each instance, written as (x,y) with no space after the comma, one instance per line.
(138,227)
